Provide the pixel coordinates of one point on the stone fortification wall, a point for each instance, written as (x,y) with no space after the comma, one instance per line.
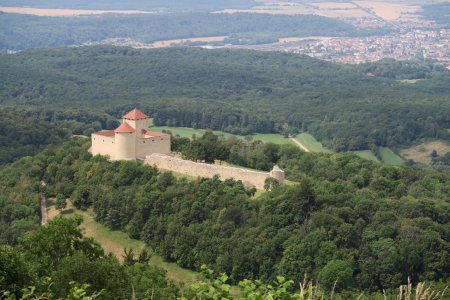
(166,162)
(160,144)
(103,145)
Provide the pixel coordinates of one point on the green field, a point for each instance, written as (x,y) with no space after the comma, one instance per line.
(311,143)
(389,157)
(367,154)
(272,138)
(189,132)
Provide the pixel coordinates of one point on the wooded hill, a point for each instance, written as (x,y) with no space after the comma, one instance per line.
(19,32)
(238,91)
(367,225)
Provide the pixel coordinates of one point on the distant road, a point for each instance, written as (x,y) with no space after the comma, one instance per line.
(300,145)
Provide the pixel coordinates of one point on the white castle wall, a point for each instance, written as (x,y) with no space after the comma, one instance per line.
(103,145)
(157,144)
(125,146)
(166,162)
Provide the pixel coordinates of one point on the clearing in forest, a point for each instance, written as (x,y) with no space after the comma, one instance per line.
(189,132)
(422,153)
(389,157)
(115,241)
(313,145)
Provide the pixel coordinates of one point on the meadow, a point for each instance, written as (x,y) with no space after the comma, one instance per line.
(311,143)
(389,157)
(307,140)
(114,242)
(190,132)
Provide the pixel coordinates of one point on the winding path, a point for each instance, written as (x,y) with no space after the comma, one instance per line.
(44,215)
(298,143)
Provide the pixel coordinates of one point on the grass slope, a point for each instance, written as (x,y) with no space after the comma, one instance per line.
(115,241)
(189,132)
(311,143)
(389,157)
(367,154)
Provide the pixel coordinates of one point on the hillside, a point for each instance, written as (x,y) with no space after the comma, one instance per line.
(240,92)
(20,32)
(374,225)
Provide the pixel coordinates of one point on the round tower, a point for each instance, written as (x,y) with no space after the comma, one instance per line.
(125,142)
(277,173)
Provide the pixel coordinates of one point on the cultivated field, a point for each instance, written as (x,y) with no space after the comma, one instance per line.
(422,153)
(64,12)
(388,10)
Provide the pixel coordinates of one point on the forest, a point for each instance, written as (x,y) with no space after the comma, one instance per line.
(437,12)
(367,225)
(20,32)
(237,91)
(26,132)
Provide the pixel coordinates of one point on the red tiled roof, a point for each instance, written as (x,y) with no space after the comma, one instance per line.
(124,128)
(135,114)
(153,133)
(107,133)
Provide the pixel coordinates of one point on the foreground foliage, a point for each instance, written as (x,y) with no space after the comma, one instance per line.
(367,225)
(52,259)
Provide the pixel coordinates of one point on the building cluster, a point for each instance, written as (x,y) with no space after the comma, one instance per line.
(423,44)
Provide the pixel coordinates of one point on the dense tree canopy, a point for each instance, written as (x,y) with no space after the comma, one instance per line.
(20,32)
(240,92)
(369,225)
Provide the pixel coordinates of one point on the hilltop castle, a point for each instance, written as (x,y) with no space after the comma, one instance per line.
(131,140)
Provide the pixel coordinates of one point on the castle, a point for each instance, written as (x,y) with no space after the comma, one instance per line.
(131,140)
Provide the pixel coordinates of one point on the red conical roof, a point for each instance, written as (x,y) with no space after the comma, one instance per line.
(124,128)
(135,114)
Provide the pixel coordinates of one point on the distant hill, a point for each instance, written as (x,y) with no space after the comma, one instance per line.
(172,5)
(19,32)
(240,92)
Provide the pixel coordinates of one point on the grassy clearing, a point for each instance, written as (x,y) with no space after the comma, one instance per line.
(389,157)
(272,138)
(189,132)
(114,242)
(422,153)
(311,143)
(367,154)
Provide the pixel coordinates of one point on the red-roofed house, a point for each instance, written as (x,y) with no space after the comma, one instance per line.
(131,140)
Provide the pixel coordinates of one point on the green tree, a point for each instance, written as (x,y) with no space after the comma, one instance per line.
(60,202)
(336,275)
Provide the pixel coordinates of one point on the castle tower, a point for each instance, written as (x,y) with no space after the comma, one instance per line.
(277,173)
(125,142)
(138,120)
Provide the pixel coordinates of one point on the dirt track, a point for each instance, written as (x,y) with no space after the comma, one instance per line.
(300,145)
